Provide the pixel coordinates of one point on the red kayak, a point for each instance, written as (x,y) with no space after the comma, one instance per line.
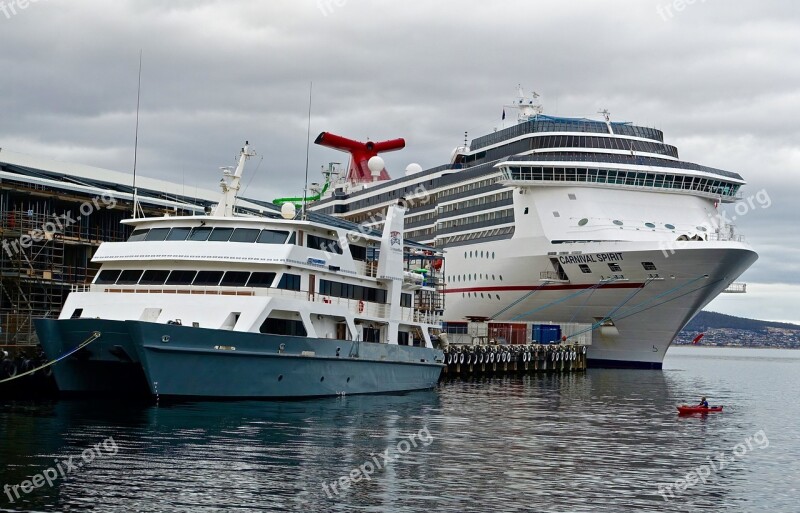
(698,409)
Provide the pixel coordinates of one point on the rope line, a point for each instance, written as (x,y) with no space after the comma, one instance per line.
(94,336)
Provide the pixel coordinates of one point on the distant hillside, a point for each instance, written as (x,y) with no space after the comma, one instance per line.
(710,320)
(728,330)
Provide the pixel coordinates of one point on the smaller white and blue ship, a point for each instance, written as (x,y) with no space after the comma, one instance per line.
(274,306)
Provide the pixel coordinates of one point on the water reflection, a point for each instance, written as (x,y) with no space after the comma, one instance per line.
(599,441)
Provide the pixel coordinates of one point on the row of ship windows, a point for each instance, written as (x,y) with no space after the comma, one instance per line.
(476,201)
(416,234)
(494,232)
(247,235)
(607,143)
(207,233)
(287,281)
(652,226)
(359,292)
(461,189)
(540,125)
(197,278)
(488,216)
(621,177)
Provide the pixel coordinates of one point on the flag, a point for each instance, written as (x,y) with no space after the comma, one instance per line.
(504,114)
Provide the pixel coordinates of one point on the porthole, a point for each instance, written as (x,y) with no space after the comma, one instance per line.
(493,277)
(481,253)
(492,254)
(498,296)
(465,254)
(348,380)
(650,225)
(669,226)
(501,277)
(702,228)
(481,295)
(583,222)
(280,377)
(617,222)
(322,379)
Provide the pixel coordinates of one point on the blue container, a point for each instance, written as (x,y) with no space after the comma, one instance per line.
(546,333)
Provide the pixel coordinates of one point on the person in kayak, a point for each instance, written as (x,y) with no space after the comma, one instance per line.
(703,403)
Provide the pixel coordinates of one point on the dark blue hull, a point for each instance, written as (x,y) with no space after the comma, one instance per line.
(173,360)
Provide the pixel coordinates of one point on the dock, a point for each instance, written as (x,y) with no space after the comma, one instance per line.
(483,360)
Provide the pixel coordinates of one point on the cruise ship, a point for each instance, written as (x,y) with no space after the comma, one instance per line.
(597,225)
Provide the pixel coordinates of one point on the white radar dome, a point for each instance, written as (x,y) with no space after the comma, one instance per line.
(413,168)
(375,165)
(288,210)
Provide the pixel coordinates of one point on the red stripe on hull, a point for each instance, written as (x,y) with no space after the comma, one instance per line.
(512,288)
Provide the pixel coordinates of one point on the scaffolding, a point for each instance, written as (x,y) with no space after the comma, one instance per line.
(46,246)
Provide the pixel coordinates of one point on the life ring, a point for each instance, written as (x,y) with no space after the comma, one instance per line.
(583,350)
(360,306)
(553,356)
(326,300)
(437,264)
(491,357)
(461,358)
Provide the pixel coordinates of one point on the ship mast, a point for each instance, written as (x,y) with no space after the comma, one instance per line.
(230,183)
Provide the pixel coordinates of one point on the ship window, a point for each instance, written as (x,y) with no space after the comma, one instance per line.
(154,277)
(702,228)
(669,226)
(650,225)
(583,222)
(244,235)
(129,277)
(328,245)
(272,237)
(289,282)
(283,327)
(237,278)
(572,196)
(181,277)
(649,266)
(107,276)
(207,278)
(200,233)
(221,234)
(76,313)
(525,211)
(372,334)
(405,300)
(157,234)
(178,234)
(262,279)
(358,252)
(615,268)
(137,235)
(585,268)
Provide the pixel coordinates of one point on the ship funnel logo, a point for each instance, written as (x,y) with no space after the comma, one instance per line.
(395,239)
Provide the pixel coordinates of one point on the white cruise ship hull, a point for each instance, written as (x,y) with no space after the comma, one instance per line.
(644,313)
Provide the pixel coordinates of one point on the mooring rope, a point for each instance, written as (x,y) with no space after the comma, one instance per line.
(95,335)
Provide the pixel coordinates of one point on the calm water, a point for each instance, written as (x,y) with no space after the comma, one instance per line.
(602,441)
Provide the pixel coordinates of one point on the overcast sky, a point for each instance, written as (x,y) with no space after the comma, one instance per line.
(719,77)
